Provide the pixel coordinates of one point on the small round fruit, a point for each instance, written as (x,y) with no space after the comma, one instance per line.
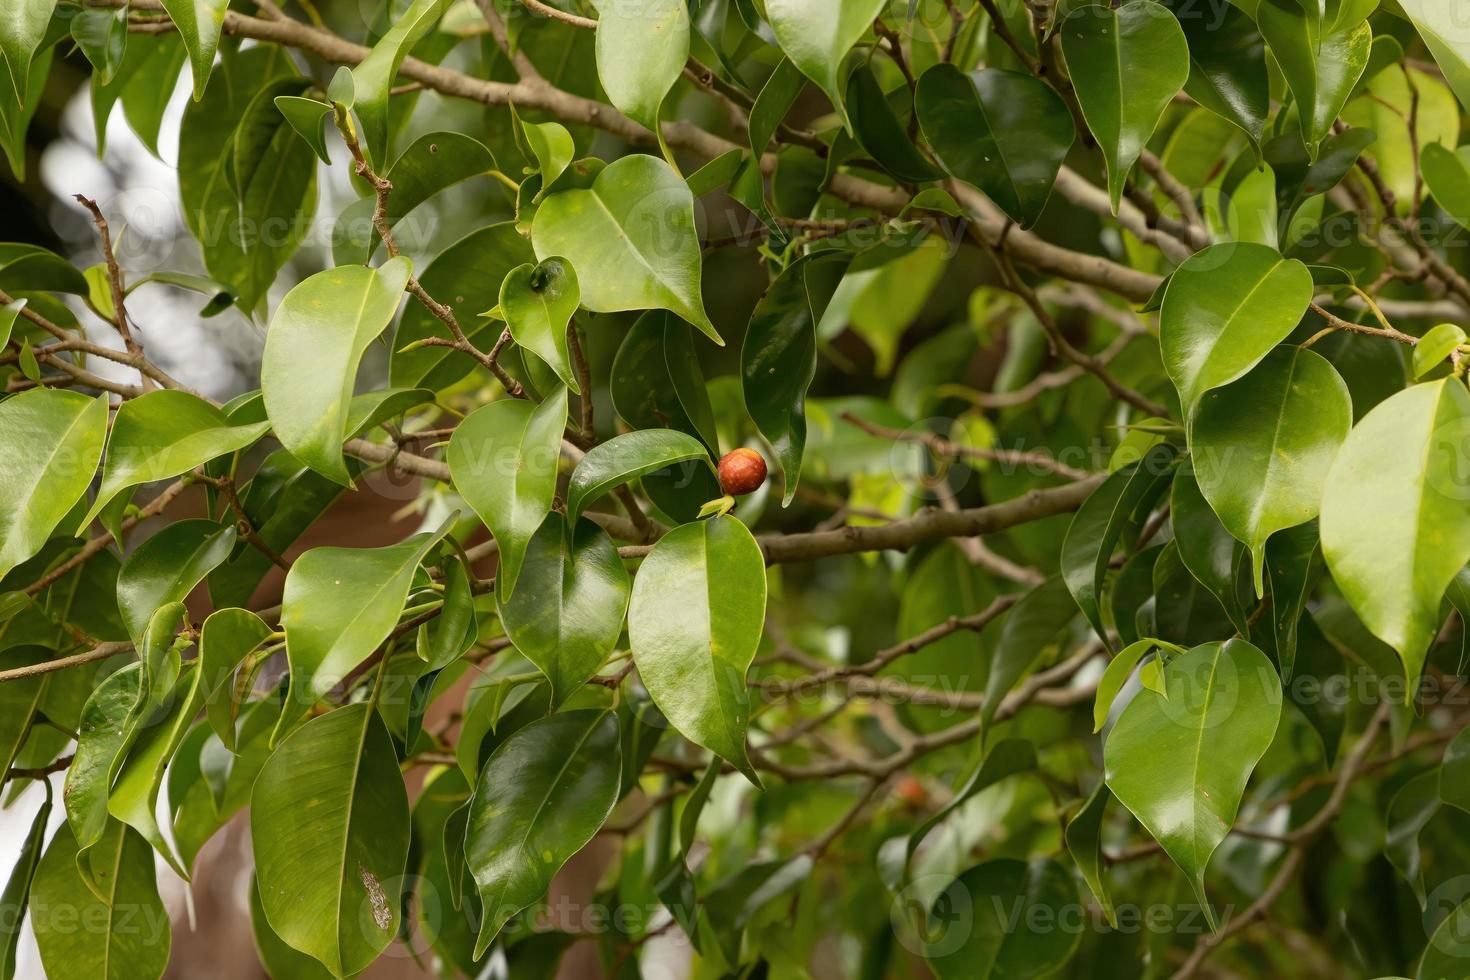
(742,471)
(912,791)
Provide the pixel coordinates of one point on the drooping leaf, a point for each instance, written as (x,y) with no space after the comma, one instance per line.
(695,619)
(1394,515)
(279,959)
(1024,637)
(335,779)
(503,460)
(1212,555)
(16,895)
(988,944)
(52,442)
(1321,52)
(373,77)
(631,237)
(567,618)
(1409,812)
(1115,675)
(641,50)
(1004,132)
(1083,836)
(816,37)
(312,353)
(100,737)
(537,302)
(1227,64)
(1180,763)
(1263,446)
(200,23)
(880,131)
(165,568)
(1290,569)
(1225,309)
(1143,39)
(227,637)
(610,464)
(540,798)
(657,381)
(19,699)
(22,28)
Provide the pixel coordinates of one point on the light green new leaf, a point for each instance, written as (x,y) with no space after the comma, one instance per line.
(995,940)
(1396,515)
(329,827)
(626,457)
(641,50)
(1001,131)
(1263,445)
(568,614)
(817,35)
(338,605)
(16,896)
(123,934)
(1180,763)
(1225,308)
(503,460)
(537,302)
(632,239)
(160,435)
(51,441)
(226,639)
(695,620)
(1447,174)
(165,568)
(1114,676)
(1127,65)
(373,78)
(1446,33)
(309,118)
(1322,55)
(1436,346)
(549,145)
(541,797)
(200,23)
(22,29)
(312,350)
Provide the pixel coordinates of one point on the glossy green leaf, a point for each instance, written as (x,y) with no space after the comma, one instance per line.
(163,434)
(1114,676)
(1436,346)
(1263,446)
(278,959)
(1180,763)
(631,236)
(1399,475)
(779,357)
(1001,131)
(312,353)
(1444,32)
(373,77)
(1321,52)
(15,898)
(1025,636)
(309,118)
(569,614)
(879,130)
(696,617)
(989,943)
(100,738)
(540,798)
(641,50)
(503,460)
(1225,309)
(610,464)
(208,785)
(329,828)
(165,568)
(1129,64)
(200,23)
(1083,836)
(22,28)
(226,639)
(339,604)
(1227,64)
(52,440)
(127,934)
(657,381)
(816,37)
(1212,555)
(1447,175)
(537,302)
(1300,177)
(102,36)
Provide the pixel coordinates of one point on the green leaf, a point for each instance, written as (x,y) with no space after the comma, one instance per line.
(879,130)
(163,434)
(1227,65)
(207,785)
(1024,637)
(127,936)
(1300,177)
(100,737)
(52,442)
(1003,132)
(200,23)
(631,236)
(22,28)
(1290,571)
(309,118)
(656,381)
(1391,102)
(329,828)
(1006,758)
(610,464)
(1447,174)
(339,604)
(1409,811)
(503,460)
(1099,523)
(1180,763)
(995,940)
(1448,948)
(1083,836)
(1123,106)
(549,145)
(1436,346)
(373,77)
(641,50)
(1396,515)
(102,36)
(775,100)
(1263,446)
(226,639)
(9,313)
(537,302)
(778,359)
(816,36)
(541,797)
(1443,30)
(568,617)
(312,353)
(1454,772)
(278,959)
(1212,555)
(695,620)
(165,568)
(1321,54)
(18,706)
(1116,674)
(16,896)
(1225,309)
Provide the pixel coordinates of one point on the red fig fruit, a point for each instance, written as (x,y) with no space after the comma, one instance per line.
(742,471)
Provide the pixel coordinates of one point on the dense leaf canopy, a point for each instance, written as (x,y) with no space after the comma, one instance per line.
(738,488)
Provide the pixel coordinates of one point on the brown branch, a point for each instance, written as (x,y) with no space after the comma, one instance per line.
(115,279)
